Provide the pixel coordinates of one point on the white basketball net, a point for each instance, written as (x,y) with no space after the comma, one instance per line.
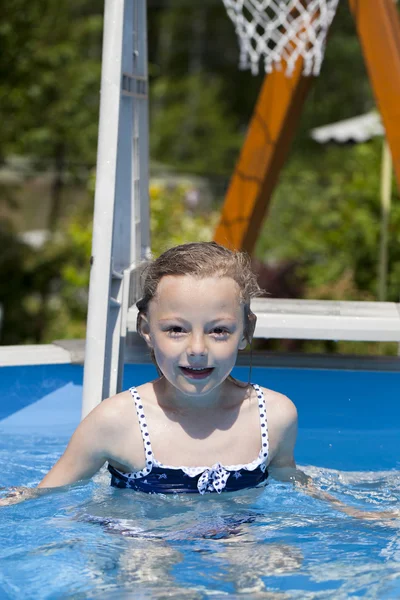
(281,29)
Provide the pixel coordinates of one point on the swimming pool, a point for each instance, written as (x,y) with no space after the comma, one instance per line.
(92,541)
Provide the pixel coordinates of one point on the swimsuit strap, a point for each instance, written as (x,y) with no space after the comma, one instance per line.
(263,421)
(145,435)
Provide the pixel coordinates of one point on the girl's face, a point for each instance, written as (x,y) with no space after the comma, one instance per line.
(195,328)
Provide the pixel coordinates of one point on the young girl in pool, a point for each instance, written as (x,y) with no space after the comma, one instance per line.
(195,429)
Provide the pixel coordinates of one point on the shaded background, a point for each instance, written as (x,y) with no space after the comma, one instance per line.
(321,237)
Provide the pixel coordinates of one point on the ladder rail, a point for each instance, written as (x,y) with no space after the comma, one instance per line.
(121,236)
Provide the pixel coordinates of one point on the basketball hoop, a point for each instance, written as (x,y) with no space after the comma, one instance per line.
(281,30)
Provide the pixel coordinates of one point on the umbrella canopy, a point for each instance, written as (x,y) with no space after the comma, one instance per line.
(356,130)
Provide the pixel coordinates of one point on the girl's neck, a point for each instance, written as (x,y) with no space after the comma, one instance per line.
(170,398)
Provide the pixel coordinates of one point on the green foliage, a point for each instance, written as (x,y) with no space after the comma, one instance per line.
(172,223)
(191,125)
(49,92)
(43,292)
(50,71)
(328,220)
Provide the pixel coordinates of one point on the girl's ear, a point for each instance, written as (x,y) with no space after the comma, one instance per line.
(243,342)
(250,321)
(143,328)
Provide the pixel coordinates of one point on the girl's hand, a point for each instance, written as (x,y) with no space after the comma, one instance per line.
(380,515)
(19,494)
(306,485)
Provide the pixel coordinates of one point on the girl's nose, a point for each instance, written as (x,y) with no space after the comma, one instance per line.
(197,345)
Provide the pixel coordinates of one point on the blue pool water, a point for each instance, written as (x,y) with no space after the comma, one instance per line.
(92,541)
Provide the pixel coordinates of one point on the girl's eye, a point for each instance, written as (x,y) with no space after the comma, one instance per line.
(175,331)
(220,332)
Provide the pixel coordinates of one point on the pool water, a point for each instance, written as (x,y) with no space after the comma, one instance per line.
(93,541)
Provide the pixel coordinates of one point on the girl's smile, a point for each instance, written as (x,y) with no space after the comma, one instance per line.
(196,373)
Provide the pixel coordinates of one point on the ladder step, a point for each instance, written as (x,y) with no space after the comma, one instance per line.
(117,275)
(114,303)
(134,85)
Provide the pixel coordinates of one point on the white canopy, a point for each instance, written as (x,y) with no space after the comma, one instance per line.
(357,130)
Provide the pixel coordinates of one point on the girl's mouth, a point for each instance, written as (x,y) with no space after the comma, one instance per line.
(197,373)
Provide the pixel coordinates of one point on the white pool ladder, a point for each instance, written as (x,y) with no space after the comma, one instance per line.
(121,232)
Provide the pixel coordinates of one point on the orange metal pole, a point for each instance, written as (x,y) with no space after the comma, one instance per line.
(378,27)
(263,154)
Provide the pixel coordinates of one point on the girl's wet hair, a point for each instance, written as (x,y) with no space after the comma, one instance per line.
(203,259)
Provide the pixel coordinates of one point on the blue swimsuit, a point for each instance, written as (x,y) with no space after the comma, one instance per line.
(157,478)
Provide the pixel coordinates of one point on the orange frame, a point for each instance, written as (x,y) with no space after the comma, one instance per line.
(378,28)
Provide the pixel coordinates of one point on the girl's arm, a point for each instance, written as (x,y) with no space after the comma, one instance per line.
(306,484)
(283,468)
(85,454)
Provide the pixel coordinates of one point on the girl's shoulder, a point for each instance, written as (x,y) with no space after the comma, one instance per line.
(115,413)
(118,405)
(115,421)
(279,406)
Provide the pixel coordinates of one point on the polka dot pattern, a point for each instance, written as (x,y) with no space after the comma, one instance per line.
(145,437)
(211,479)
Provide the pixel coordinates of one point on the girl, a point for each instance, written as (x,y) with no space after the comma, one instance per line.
(195,428)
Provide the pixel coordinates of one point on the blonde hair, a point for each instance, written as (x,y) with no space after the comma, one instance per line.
(203,259)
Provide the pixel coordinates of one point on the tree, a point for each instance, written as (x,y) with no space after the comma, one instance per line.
(49,90)
(50,73)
